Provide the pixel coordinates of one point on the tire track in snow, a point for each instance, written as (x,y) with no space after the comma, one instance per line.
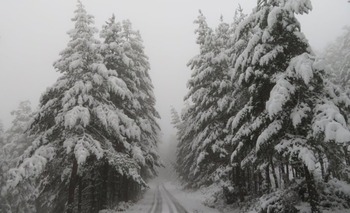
(178,206)
(169,202)
(157,202)
(151,210)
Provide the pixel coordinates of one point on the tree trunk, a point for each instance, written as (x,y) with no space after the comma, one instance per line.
(248,179)
(274,173)
(293,173)
(93,197)
(239,183)
(125,186)
(347,155)
(320,158)
(256,182)
(72,185)
(313,195)
(80,193)
(281,182)
(267,179)
(287,174)
(284,173)
(104,190)
(119,187)
(110,188)
(260,183)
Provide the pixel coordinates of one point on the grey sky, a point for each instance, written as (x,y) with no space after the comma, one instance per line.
(33,32)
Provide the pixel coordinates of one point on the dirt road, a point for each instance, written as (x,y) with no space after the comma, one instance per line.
(165,202)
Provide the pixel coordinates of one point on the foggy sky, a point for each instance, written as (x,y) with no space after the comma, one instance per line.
(33,32)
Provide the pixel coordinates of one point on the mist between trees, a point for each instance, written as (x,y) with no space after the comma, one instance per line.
(265,120)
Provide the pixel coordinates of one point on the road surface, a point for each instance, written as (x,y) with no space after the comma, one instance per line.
(167,197)
(165,202)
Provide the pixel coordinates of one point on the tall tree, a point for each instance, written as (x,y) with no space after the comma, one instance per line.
(337,58)
(123,51)
(291,105)
(4,206)
(16,141)
(79,129)
(287,129)
(2,153)
(210,89)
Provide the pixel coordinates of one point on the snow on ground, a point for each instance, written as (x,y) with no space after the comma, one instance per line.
(145,204)
(191,200)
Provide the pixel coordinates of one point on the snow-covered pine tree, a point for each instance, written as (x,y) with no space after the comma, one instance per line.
(147,114)
(16,141)
(209,94)
(4,206)
(175,118)
(183,146)
(2,154)
(123,51)
(84,141)
(337,58)
(185,158)
(292,126)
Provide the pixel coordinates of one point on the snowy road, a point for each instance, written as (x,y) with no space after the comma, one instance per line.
(168,197)
(165,202)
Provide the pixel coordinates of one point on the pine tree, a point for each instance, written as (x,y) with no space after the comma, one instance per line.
(122,50)
(4,206)
(147,114)
(337,59)
(291,107)
(16,141)
(210,90)
(184,158)
(287,131)
(2,153)
(84,139)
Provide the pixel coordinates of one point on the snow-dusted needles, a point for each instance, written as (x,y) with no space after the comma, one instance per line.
(264,126)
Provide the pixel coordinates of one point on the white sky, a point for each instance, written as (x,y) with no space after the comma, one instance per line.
(33,32)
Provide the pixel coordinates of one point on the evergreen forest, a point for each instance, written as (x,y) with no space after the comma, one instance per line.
(264,126)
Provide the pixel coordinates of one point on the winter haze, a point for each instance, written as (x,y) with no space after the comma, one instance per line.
(252,98)
(32,33)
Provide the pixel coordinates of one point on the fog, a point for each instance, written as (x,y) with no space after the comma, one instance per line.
(33,32)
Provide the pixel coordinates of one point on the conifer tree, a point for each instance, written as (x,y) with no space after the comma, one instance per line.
(337,58)
(210,90)
(3,205)
(84,139)
(2,153)
(287,131)
(16,141)
(123,51)
(183,156)
(291,106)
